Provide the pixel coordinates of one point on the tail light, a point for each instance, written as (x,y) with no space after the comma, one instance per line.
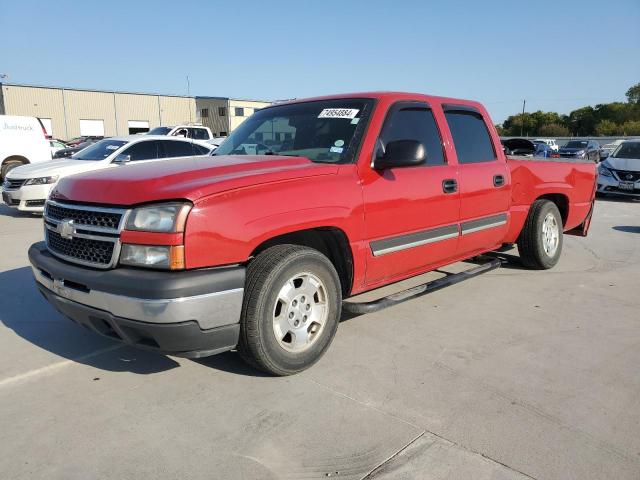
(44,130)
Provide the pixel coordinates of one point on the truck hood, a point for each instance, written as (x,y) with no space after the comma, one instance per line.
(190,178)
(627,164)
(62,168)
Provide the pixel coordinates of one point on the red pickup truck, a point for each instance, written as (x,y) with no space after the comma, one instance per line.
(305,204)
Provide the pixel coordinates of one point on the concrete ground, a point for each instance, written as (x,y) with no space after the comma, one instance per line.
(515,374)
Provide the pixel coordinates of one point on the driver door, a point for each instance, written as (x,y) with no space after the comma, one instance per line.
(411,213)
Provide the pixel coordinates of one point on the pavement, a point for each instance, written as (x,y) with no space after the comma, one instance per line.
(515,374)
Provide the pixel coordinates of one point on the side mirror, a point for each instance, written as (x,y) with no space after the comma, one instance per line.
(400,153)
(122,159)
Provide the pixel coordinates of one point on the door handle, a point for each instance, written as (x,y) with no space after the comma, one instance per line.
(498,181)
(449,185)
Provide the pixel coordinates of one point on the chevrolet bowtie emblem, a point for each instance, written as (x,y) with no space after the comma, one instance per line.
(66,229)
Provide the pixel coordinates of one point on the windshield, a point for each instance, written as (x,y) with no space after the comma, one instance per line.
(576,144)
(325,131)
(159,131)
(628,150)
(99,150)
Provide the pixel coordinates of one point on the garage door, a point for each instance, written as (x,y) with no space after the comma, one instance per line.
(138,126)
(94,128)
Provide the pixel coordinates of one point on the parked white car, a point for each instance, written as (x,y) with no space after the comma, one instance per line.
(22,140)
(27,187)
(56,145)
(549,141)
(193,131)
(608,148)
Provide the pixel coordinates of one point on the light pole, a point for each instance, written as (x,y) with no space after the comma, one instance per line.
(524,102)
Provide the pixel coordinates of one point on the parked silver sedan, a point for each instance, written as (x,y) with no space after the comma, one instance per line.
(620,173)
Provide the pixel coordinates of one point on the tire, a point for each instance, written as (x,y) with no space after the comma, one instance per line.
(8,166)
(286,284)
(538,248)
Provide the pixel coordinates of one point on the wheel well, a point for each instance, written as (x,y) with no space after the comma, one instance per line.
(561,201)
(330,241)
(15,158)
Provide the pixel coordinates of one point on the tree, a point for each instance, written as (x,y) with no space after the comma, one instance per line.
(631,128)
(633,94)
(605,128)
(553,130)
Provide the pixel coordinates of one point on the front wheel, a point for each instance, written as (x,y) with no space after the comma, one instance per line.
(8,166)
(292,305)
(540,242)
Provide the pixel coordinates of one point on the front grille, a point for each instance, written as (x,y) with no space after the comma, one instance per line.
(92,251)
(627,176)
(83,234)
(94,218)
(10,184)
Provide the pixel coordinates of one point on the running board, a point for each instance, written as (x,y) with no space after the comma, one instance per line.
(395,298)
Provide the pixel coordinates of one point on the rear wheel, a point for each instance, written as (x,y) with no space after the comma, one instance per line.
(291,310)
(540,242)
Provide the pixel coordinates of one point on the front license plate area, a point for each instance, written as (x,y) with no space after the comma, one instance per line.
(626,186)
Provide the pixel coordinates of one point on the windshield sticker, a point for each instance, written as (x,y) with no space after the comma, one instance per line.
(112,147)
(336,149)
(338,113)
(355,121)
(338,143)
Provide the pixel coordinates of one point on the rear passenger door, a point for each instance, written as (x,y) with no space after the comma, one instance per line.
(411,220)
(483,181)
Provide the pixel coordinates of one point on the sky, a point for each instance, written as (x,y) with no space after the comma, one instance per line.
(558,55)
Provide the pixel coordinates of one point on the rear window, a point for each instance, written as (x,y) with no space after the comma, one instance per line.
(159,131)
(470,136)
(576,144)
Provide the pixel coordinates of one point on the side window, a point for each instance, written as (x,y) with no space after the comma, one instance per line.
(177,149)
(470,137)
(143,151)
(415,123)
(200,134)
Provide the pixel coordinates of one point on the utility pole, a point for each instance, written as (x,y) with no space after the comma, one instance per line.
(188,99)
(524,103)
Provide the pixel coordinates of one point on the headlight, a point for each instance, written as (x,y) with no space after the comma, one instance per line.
(42,180)
(166,217)
(154,256)
(580,153)
(604,171)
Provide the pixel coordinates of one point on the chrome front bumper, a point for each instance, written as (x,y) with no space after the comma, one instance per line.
(209,310)
(190,313)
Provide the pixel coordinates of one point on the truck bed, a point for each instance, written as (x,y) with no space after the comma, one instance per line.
(572,179)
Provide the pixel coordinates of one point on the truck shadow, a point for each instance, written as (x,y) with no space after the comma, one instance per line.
(25,312)
(627,228)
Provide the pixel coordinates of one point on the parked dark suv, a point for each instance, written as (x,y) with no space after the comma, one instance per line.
(581,149)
